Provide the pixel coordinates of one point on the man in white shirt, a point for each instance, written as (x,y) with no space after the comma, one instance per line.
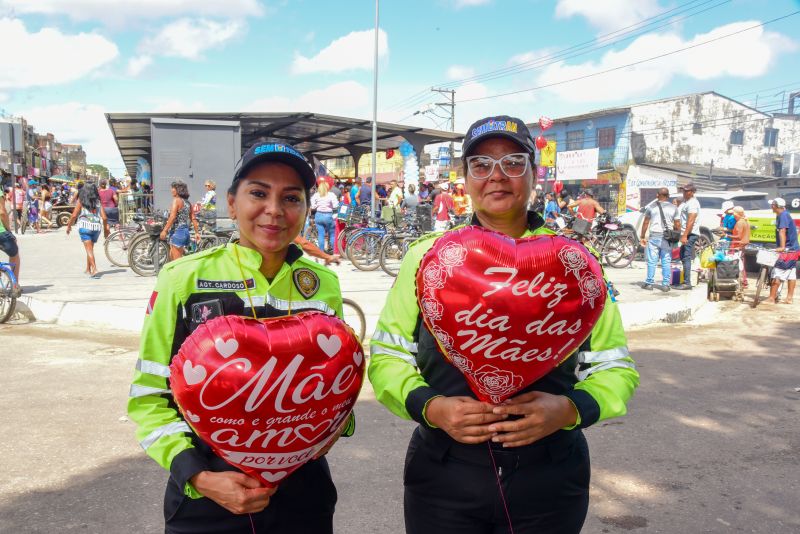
(657,249)
(686,222)
(395,195)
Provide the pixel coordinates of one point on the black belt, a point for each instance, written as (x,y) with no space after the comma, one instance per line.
(551,448)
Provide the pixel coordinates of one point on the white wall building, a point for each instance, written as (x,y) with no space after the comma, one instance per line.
(702,128)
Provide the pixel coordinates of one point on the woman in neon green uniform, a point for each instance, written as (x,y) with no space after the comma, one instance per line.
(269,201)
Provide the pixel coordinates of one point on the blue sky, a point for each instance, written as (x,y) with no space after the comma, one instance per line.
(76,59)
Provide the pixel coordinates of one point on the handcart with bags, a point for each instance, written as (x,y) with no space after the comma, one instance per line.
(724,271)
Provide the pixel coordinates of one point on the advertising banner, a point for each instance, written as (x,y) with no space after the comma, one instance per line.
(574,165)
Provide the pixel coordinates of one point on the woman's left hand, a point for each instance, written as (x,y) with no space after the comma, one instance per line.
(542,414)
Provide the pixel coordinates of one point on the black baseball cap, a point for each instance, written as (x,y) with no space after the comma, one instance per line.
(500,126)
(281,153)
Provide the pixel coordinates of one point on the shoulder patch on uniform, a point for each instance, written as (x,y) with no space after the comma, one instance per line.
(306,281)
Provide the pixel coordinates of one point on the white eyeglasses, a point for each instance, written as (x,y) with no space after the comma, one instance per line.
(512,165)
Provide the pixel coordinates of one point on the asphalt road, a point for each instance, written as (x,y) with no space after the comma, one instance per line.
(710,443)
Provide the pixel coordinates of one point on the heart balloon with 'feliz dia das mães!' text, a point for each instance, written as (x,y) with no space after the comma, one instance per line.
(506,311)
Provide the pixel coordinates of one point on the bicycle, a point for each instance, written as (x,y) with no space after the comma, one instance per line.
(364,246)
(118,242)
(354,316)
(8,294)
(147,253)
(395,246)
(766,259)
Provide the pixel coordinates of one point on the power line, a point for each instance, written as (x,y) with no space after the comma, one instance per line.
(594,74)
(574,50)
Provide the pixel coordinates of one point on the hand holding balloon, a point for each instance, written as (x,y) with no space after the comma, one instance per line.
(236,492)
(542,414)
(465,419)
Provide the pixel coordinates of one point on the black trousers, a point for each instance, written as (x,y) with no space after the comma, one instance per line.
(303,504)
(452,488)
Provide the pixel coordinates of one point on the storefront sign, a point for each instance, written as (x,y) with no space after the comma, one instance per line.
(431,173)
(575,165)
(648,178)
(547,157)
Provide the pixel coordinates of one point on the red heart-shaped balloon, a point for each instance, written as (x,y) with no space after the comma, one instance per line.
(506,311)
(545,123)
(541,142)
(268,395)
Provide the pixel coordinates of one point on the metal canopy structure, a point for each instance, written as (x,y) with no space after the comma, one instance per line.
(323,136)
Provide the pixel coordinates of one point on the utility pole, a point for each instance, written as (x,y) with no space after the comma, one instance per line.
(14,179)
(374,115)
(452,119)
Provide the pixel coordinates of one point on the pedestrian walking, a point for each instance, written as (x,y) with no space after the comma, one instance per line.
(91,218)
(785,269)
(209,200)
(8,244)
(269,200)
(659,217)
(324,204)
(541,474)
(442,207)
(551,209)
(686,222)
(110,201)
(740,238)
(180,216)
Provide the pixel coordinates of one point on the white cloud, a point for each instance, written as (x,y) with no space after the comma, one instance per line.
(459,72)
(608,15)
(120,11)
(353,51)
(189,38)
(84,124)
(79,55)
(348,98)
(137,64)
(747,55)
(469,3)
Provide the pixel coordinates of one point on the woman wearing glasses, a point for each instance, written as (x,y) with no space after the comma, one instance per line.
(539,454)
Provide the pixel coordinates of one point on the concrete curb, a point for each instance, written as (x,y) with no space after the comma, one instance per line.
(106,316)
(669,310)
(101,316)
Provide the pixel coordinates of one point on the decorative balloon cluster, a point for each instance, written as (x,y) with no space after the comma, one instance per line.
(544,124)
(410,165)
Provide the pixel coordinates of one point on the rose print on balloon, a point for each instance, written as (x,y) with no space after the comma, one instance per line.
(432,309)
(573,260)
(591,288)
(461,363)
(445,339)
(497,383)
(453,255)
(434,276)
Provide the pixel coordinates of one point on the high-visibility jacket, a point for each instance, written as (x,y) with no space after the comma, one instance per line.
(189,292)
(407,370)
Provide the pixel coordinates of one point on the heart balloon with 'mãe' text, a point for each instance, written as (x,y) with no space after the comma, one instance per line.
(506,311)
(268,395)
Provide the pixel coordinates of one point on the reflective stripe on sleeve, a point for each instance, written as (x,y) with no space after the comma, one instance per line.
(283,305)
(152,368)
(583,375)
(599,356)
(143,391)
(394,339)
(378,349)
(166,430)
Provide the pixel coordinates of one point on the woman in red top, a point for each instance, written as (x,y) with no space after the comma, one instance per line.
(587,207)
(109,199)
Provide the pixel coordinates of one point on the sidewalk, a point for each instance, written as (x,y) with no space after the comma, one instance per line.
(55,290)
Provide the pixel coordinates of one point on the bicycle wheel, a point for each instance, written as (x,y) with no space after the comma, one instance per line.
(364,251)
(763,279)
(7,301)
(116,246)
(620,250)
(140,255)
(392,252)
(354,316)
